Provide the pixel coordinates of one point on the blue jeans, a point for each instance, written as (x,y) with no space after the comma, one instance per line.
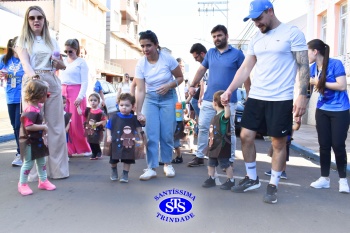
(205,117)
(159,111)
(15,118)
(194,103)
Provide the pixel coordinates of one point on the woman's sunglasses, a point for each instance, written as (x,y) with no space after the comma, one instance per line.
(32,18)
(69,51)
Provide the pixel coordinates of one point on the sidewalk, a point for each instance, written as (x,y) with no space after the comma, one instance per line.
(306,143)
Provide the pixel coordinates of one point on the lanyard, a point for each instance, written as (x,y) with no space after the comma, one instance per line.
(15,67)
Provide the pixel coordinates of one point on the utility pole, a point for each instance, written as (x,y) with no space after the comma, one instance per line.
(212,7)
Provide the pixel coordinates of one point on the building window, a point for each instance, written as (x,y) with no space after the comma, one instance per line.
(324,28)
(82,6)
(91,10)
(116,18)
(342,29)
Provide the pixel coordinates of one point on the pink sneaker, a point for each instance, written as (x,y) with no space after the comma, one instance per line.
(47,185)
(24,189)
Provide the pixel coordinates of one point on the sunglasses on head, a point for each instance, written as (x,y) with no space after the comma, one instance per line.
(32,18)
(69,51)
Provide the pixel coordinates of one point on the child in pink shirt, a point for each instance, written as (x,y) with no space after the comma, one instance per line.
(33,137)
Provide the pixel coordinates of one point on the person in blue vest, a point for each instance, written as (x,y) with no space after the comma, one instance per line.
(11,69)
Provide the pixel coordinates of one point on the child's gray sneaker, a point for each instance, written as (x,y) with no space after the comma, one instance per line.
(124,178)
(114,174)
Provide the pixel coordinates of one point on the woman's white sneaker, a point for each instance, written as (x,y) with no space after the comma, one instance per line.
(343,185)
(148,174)
(321,183)
(169,171)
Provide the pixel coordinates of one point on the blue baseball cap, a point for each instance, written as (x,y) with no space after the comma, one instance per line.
(257,7)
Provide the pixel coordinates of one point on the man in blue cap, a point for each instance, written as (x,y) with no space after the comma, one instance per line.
(278,51)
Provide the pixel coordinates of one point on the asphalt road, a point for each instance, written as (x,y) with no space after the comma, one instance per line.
(89,202)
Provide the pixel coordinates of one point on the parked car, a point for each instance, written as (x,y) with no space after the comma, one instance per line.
(241,98)
(110,94)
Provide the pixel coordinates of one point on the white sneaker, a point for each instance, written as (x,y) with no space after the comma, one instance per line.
(321,183)
(17,162)
(343,185)
(87,154)
(169,171)
(148,174)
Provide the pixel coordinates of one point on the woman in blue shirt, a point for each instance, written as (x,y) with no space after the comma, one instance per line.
(332,113)
(12,70)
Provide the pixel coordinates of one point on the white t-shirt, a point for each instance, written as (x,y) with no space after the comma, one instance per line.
(75,73)
(157,74)
(40,56)
(276,68)
(125,87)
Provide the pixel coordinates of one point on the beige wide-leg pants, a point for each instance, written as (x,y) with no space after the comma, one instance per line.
(57,162)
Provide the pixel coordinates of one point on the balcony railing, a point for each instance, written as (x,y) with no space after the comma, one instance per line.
(112,67)
(106,66)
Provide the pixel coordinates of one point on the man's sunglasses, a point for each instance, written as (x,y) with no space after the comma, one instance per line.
(69,51)
(32,18)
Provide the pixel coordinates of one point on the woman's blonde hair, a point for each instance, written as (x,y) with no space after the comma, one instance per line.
(35,90)
(126,74)
(27,36)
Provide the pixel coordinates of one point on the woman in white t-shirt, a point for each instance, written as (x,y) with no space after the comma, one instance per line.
(35,50)
(155,96)
(74,85)
(124,86)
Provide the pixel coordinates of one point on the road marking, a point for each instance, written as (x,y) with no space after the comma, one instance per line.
(265,181)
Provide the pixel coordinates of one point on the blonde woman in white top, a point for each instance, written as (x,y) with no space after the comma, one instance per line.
(125,85)
(35,49)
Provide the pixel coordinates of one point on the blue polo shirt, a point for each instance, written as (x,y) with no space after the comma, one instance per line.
(13,94)
(332,100)
(222,68)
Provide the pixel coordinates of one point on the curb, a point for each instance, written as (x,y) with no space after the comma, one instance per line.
(7,137)
(312,155)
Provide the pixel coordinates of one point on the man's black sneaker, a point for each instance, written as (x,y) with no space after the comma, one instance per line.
(246,184)
(177,160)
(196,162)
(228,184)
(93,156)
(210,182)
(270,196)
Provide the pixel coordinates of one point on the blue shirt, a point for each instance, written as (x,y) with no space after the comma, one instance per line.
(109,122)
(222,68)
(13,94)
(332,100)
(97,87)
